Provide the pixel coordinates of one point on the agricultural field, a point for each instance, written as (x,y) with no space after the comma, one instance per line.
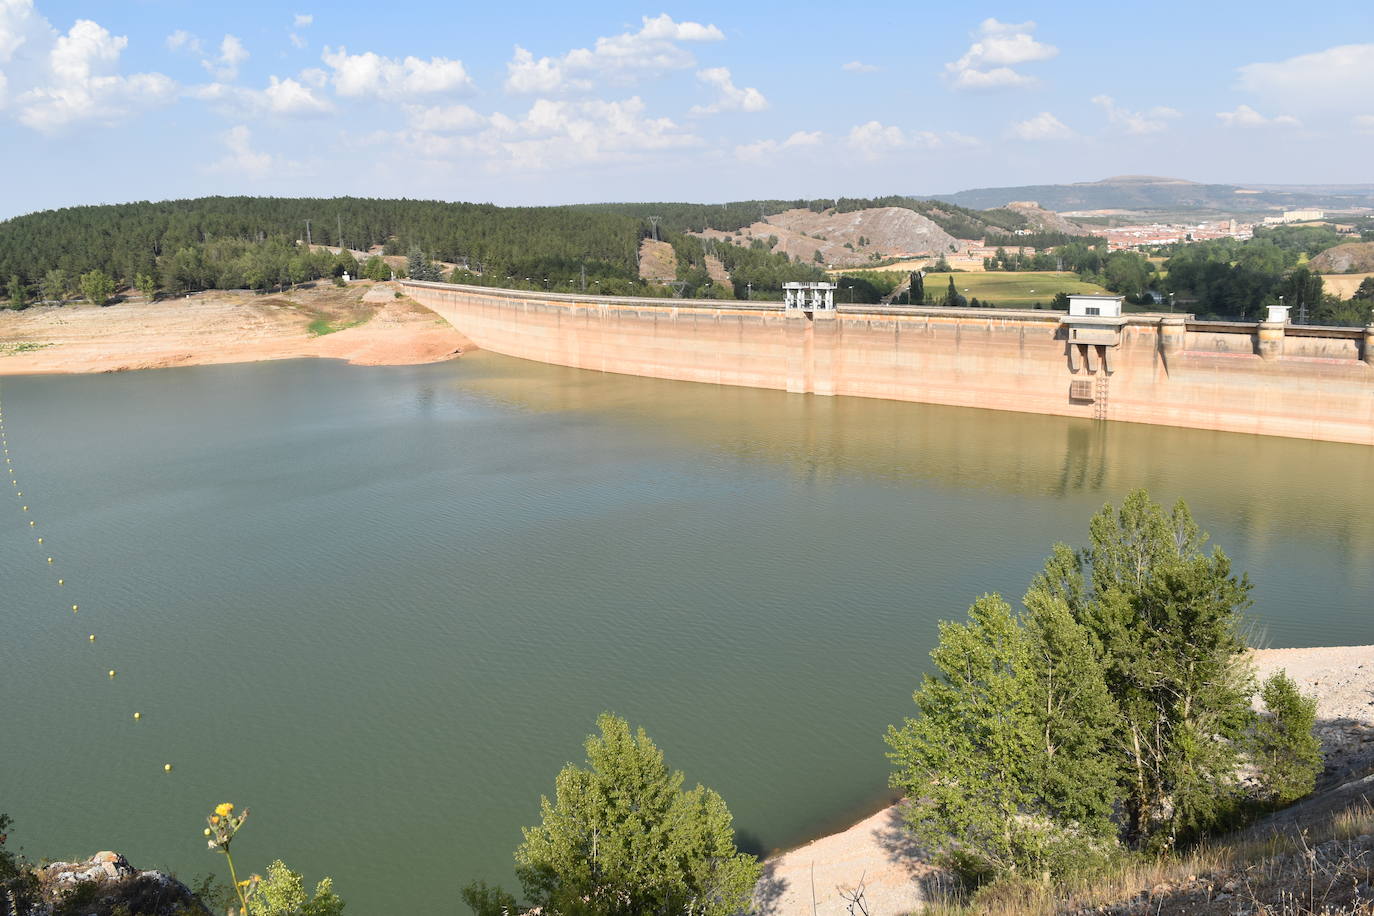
(1007,289)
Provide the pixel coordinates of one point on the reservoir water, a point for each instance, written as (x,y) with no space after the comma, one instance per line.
(382,606)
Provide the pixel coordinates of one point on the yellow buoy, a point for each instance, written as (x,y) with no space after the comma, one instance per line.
(73,607)
(25,508)
(49,559)
(166,768)
(40,540)
(138,715)
(92,637)
(112,672)
(60,581)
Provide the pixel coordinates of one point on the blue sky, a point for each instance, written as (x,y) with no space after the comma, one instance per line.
(554,103)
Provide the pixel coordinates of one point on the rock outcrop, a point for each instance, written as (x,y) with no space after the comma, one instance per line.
(106,884)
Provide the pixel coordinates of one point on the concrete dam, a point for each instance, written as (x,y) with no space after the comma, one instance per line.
(1268,378)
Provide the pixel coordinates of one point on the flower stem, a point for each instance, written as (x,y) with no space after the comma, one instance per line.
(233,876)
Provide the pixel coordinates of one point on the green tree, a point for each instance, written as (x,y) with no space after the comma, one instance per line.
(376,269)
(1365,292)
(18,295)
(952,299)
(97,287)
(623,838)
(1166,618)
(918,287)
(1060,301)
(147,285)
(1006,767)
(1286,752)
(282,893)
(18,883)
(54,285)
(345,263)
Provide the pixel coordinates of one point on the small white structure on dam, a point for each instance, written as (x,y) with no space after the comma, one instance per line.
(808,297)
(1092,328)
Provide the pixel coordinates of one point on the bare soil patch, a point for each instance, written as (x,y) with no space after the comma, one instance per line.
(226,327)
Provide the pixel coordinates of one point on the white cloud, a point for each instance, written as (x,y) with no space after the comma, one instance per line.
(184,40)
(873,139)
(1136,122)
(1245,116)
(996,49)
(20,24)
(765,149)
(300,21)
(591,132)
(280,97)
(80,81)
(443,119)
(1043,126)
(241,156)
(225,67)
(858,66)
(1334,79)
(371,75)
(619,59)
(1364,123)
(730,97)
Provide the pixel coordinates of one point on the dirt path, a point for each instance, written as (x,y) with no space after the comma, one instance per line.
(361,323)
(876,852)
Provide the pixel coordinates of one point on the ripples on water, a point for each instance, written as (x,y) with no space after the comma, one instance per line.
(383,606)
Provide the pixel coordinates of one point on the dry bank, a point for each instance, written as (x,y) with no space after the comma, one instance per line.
(1270,377)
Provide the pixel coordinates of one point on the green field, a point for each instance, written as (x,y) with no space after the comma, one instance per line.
(1020,289)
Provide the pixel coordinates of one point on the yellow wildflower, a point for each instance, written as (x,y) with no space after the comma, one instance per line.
(224,810)
(214,819)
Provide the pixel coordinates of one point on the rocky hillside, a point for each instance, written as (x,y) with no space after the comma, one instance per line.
(846,239)
(1350,258)
(1039,219)
(1149,192)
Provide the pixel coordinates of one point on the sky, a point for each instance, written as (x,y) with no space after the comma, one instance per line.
(534,103)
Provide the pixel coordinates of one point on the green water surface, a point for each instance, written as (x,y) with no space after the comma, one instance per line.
(382,606)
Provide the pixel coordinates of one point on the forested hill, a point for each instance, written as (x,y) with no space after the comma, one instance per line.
(125,240)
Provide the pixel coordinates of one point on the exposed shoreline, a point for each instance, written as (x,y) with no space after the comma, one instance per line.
(363,323)
(875,851)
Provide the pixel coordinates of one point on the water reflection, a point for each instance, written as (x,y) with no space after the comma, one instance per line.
(1266,487)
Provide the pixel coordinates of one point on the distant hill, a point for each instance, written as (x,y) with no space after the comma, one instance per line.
(1148,192)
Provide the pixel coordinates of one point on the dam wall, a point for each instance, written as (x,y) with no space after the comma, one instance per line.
(1269,379)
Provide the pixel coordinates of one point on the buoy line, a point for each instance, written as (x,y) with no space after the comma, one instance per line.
(33,524)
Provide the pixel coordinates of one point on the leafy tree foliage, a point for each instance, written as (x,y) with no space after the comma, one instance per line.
(1167,619)
(1117,705)
(917,287)
(18,295)
(282,893)
(54,285)
(1005,765)
(1287,754)
(147,286)
(622,838)
(97,287)
(1365,292)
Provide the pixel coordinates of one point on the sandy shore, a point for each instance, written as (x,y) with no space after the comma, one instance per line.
(364,324)
(875,851)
